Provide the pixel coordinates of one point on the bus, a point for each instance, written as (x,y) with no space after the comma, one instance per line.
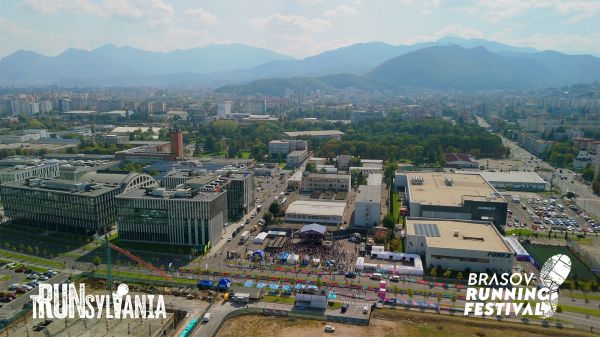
(244,236)
(376,276)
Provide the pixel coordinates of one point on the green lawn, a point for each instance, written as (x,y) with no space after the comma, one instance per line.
(581,310)
(30,259)
(4,277)
(282,165)
(396,203)
(147,277)
(278,299)
(541,253)
(519,232)
(245,154)
(580,296)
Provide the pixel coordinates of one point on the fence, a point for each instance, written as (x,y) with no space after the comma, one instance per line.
(591,261)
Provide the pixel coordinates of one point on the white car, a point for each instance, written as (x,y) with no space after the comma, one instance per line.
(329,328)
(207,317)
(365,310)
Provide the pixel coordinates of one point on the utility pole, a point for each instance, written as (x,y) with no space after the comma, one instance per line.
(109,278)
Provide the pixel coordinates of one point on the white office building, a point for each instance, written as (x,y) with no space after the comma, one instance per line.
(367,207)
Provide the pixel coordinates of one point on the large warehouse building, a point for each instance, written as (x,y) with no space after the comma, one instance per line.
(515,181)
(446,195)
(322,212)
(458,245)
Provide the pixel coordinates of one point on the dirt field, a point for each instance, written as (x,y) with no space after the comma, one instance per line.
(385,323)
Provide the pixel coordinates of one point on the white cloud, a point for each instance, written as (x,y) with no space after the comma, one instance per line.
(199,15)
(105,8)
(498,11)
(290,24)
(87,7)
(10,27)
(567,43)
(342,10)
(464,32)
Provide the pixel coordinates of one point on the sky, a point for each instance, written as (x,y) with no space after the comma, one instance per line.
(298,28)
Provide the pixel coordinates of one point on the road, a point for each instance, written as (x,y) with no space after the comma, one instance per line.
(587,200)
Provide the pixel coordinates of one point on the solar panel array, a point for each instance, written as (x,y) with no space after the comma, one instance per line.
(427,229)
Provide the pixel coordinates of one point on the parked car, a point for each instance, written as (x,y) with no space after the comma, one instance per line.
(329,328)
(344,308)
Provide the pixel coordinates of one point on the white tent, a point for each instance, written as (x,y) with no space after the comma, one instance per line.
(260,238)
(293,259)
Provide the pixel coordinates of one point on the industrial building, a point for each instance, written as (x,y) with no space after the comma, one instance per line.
(322,212)
(175,217)
(265,170)
(515,181)
(335,134)
(367,207)
(326,182)
(20,168)
(296,158)
(359,116)
(280,148)
(446,195)
(460,160)
(458,245)
(61,205)
(172,150)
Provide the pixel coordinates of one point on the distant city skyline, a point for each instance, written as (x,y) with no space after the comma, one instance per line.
(298,28)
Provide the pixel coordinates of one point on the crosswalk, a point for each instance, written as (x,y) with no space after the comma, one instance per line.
(356,303)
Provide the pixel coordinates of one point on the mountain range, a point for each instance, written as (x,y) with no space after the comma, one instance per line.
(449,63)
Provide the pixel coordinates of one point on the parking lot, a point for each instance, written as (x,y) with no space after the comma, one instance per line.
(542,213)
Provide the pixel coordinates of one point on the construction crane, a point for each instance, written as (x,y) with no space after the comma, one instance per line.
(108,246)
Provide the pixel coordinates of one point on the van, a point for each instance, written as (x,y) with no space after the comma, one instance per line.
(376,276)
(207,317)
(394,278)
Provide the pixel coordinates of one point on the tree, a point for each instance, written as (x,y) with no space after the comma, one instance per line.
(96,261)
(459,275)
(453,299)
(389,223)
(389,172)
(275,208)
(448,273)
(268,217)
(588,173)
(410,292)
(433,272)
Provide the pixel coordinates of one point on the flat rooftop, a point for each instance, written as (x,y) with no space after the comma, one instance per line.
(329,175)
(375,179)
(169,195)
(472,235)
(316,133)
(62,186)
(449,189)
(369,193)
(513,177)
(326,208)
(297,153)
